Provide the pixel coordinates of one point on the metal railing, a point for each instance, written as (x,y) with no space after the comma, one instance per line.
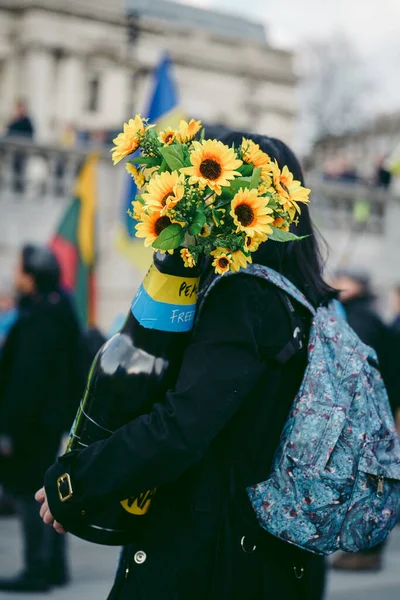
(32,171)
(338,205)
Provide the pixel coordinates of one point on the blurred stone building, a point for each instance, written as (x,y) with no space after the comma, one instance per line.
(86,64)
(362,149)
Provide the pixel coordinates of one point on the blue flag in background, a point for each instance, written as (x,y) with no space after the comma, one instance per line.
(164,111)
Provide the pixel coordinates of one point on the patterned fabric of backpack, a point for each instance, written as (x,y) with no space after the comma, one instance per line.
(335,478)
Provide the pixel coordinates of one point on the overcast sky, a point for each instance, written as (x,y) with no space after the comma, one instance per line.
(373,25)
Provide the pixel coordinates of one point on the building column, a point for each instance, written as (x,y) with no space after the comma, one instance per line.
(9,87)
(40,90)
(70,90)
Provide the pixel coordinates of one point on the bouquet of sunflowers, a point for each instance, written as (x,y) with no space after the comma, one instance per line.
(204,197)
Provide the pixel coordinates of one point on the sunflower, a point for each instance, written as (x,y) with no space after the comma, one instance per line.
(138,210)
(280,223)
(250,213)
(213,164)
(252,154)
(150,171)
(188,258)
(205,230)
(290,191)
(239,261)
(128,141)
(137,176)
(187,131)
(151,227)
(252,243)
(265,185)
(222,261)
(164,191)
(167,137)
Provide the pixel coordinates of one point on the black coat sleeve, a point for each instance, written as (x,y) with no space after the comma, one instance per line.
(220,367)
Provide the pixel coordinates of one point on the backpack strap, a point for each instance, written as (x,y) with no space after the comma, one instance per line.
(268,274)
(298,340)
(289,291)
(281,282)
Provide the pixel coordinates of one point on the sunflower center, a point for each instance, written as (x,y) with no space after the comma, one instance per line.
(285,187)
(161,224)
(223,262)
(164,200)
(210,169)
(245,214)
(168,138)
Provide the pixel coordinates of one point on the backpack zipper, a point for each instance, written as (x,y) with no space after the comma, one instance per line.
(380,486)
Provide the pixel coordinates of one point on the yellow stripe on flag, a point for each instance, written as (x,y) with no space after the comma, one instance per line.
(170,119)
(85,190)
(134,250)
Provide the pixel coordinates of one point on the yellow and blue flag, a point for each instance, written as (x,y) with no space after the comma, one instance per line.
(163,111)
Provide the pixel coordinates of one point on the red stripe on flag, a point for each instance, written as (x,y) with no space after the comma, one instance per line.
(67,256)
(92,299)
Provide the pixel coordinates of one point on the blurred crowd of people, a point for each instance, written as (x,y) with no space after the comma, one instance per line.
(344,170)
(45,357)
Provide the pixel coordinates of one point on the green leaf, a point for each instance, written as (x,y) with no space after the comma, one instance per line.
(223,199)
(163,166)
(198,223)
(202,134)
(170,238)
(284,236)
(272,203)
(245,170)
(216,216)
(174,156)
(152,134)
(150,161)
(255,178)
(240,182)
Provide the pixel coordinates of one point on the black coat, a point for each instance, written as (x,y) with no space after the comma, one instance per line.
(40,385)
(207,440)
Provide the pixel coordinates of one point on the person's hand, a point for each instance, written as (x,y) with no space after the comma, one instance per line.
(45,513)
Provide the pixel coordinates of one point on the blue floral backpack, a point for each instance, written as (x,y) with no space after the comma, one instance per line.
(335,477)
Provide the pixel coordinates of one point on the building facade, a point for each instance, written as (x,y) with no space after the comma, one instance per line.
(362,149)
(88,63)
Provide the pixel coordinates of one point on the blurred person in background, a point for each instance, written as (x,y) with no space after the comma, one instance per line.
(40,385)
(396,307)
(383,177)
(8,311)
(20,126)
(358,300)
(395,328)
(8,316)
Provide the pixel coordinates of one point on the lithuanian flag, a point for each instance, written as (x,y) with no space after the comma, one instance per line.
(74,242)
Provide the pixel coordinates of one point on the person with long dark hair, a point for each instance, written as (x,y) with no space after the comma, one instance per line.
(208,440)
(40,385)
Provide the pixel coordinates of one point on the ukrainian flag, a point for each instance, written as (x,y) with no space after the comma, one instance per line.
(164,111)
